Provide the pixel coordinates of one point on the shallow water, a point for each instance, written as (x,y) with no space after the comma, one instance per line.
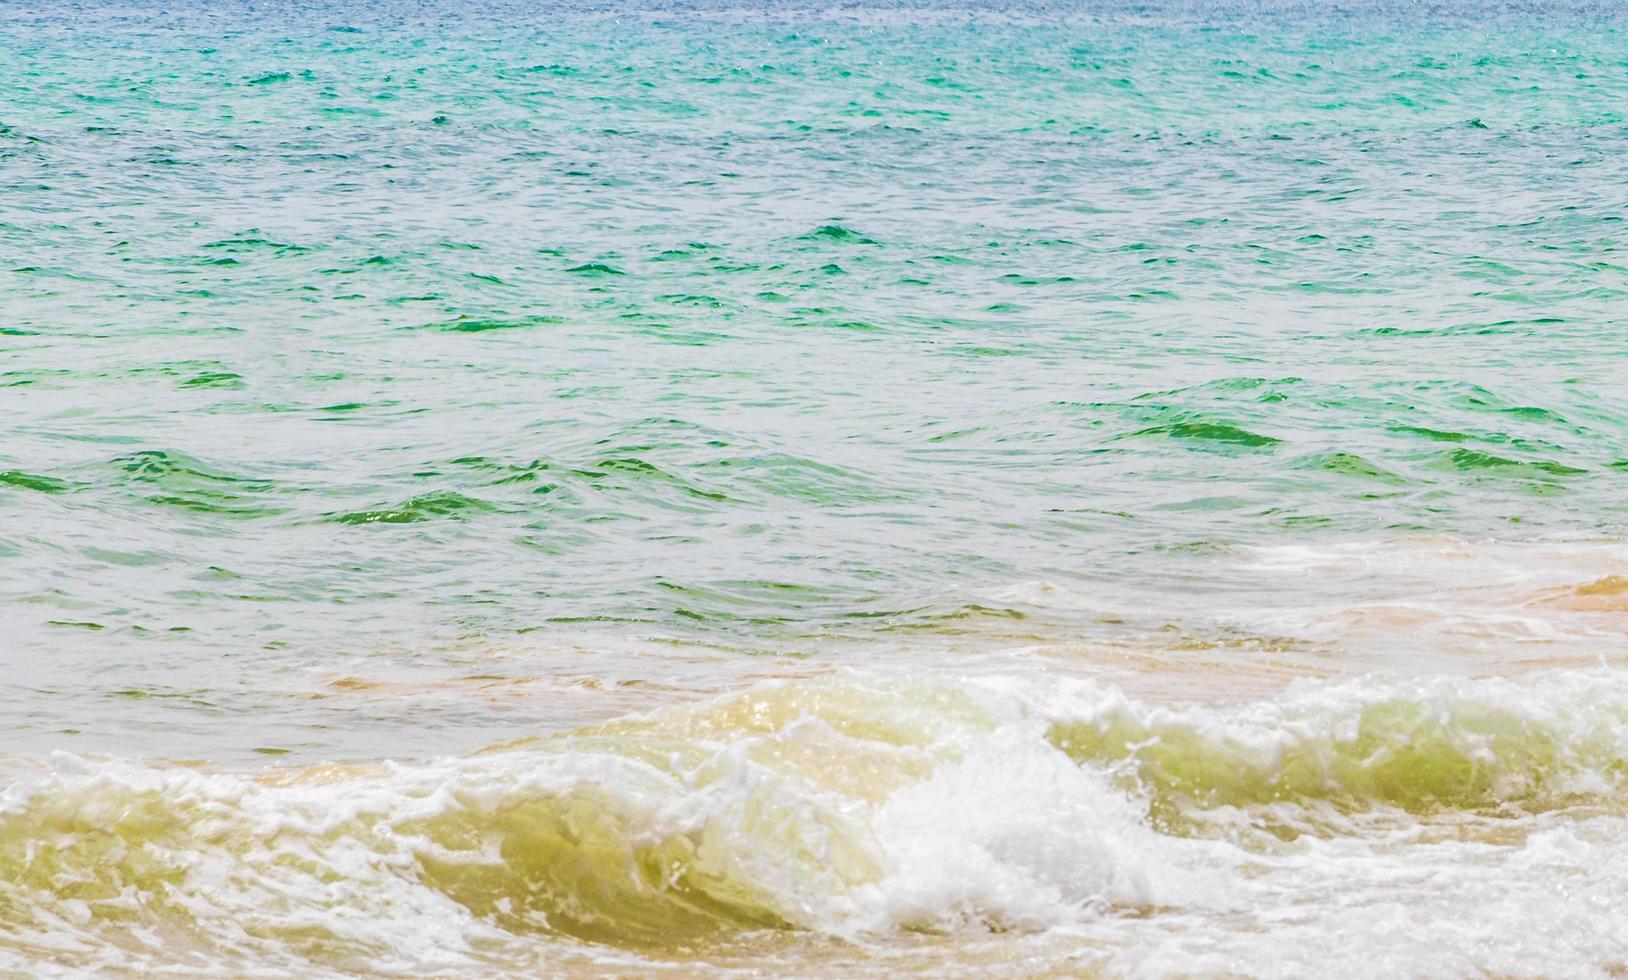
(1130,489)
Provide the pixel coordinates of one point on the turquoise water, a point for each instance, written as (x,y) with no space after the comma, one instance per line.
(386,381)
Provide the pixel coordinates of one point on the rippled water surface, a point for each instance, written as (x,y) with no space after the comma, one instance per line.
(1123,489)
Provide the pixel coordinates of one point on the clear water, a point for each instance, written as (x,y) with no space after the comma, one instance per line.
(1131,488)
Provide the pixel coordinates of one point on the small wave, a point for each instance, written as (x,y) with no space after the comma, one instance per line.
(425,507)
(472,324)
(1210,432)
(1419,747)
(171,479)
(837,233)
(36,482)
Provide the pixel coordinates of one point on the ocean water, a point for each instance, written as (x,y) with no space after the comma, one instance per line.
(968,488)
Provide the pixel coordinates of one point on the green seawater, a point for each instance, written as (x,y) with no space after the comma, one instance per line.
(383,381)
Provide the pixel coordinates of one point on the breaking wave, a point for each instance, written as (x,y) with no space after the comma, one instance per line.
(851,807)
